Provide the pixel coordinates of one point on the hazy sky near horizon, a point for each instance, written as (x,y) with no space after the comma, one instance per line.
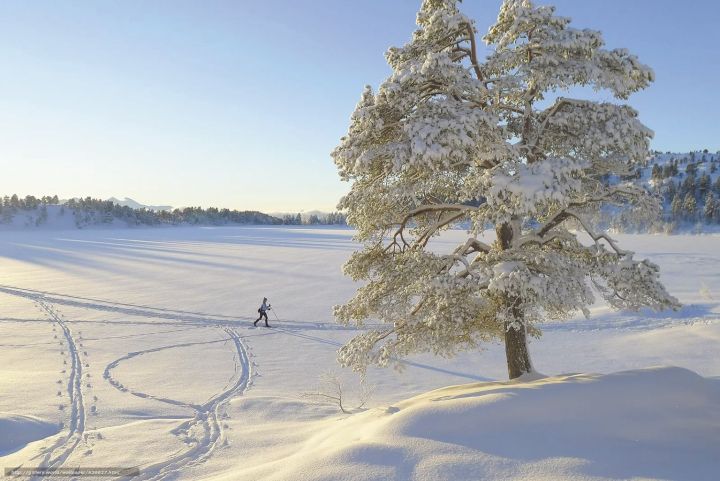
(239,103)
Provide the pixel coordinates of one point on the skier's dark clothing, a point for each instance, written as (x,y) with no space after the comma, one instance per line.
(263,313)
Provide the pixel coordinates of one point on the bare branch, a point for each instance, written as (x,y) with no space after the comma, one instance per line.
(509,108)
(562,215)
(596,237)
(473,52)
(542,241)
(561,101)
(432,229)
(472,245)
(426,209)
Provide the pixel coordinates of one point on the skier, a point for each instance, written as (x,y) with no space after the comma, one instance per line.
(263,312)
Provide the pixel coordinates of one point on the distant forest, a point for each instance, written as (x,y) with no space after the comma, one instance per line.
(687,186)
(88,211)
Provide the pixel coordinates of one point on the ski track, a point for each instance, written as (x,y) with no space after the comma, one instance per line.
(121,387)
(176,317)
(204,430)
(604,322)
(61,450)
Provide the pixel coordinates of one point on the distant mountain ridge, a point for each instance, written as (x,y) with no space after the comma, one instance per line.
(137,205)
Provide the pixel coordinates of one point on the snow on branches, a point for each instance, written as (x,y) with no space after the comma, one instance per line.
(448,140)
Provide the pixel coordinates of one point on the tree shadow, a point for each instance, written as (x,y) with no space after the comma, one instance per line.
(643,319)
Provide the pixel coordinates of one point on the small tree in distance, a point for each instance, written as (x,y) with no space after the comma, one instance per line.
(448,140)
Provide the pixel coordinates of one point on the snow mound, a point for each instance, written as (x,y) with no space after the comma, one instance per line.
(16,431)
(657,423)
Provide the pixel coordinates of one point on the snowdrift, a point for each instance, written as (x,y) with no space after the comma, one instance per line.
(658,423)
(16,431)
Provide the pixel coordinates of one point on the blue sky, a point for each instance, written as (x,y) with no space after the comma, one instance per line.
(239,103)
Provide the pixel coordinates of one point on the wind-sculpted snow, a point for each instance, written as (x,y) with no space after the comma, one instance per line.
(660,423)
(20,430)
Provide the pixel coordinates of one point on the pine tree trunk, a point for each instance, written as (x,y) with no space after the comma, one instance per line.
(516,352)
(516,349)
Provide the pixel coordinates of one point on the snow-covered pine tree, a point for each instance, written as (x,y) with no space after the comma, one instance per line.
(704,185)
(690,207)
(676,206)
(447,141)
(710,208)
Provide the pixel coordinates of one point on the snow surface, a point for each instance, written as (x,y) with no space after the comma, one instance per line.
(17,431)
(136,348)
(649,424)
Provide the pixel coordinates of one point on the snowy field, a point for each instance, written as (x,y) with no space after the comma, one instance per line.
(135,347)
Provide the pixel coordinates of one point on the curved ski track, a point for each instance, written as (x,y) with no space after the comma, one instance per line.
(205,429)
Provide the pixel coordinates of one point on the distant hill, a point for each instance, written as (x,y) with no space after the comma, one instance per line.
(688,187)
(137,205)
